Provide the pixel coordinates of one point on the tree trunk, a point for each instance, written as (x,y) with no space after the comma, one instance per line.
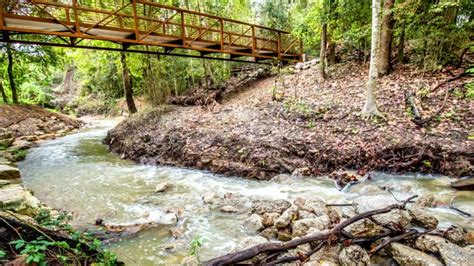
(401,45)
(10,74)
(127,84)
(370,108)
(331,53)
(4,95)
(386,39)
(322,54)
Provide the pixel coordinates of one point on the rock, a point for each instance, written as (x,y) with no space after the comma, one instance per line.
(425,201)
(270,233)
(423,219)
(8,172)
(281,178)
(406,255)
(470,238)
(229,209)
(370,203)
(301,249)
(16,198)
(269,218)
(464,184)
(314,205)
(306,215)
(284,234)
(328,255)
(335,215)
(254,223)
(286,217)
(20,144)
(365,229)
(250,242)
(354,255)
(456,235)
(210,198)
(6,142)
(168,219)
(301,227)
(299,66)
(163,187)
(264,206)
(450,253)
(4,183)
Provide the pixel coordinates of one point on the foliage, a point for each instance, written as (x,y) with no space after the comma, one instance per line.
(195,245)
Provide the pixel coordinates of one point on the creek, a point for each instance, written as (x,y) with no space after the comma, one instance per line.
(76,173)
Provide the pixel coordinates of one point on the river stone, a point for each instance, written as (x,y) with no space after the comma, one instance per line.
(464,184)
(16,198)
(270,233)
(470,238)
(229,209)
(370,203)
(315,205)
(287,217)
(269,218)
(254,223)
(365,229)
(328,255)
(425,201)
(163,187)
(354,255)
(423,219)
(250,242)
(406,255)
(450,253)
(168,219)
(8,172)
(281,178)
(264,206)
(284,234)
(210,198)
(306,215)
(456,235)
(301,227)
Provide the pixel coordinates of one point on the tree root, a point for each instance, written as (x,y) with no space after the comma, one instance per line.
(336,235)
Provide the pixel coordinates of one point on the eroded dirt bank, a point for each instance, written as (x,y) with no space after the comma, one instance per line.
(302,126)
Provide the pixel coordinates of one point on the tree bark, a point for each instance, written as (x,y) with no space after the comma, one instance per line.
(401,45)
(4,95)
(127,84)
(386,39)
(370,108)
(331,53)
(322,54)
(10,74)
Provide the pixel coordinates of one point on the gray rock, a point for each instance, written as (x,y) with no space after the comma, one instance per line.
(301,227)
(264,206)
(406,255)
(229,209)
(254,223)
(365,229)
(306,215)
(314,205)
(354,255)
(370,203)
(8,172)
(456,235)
(450,253)
(281,178)
(423,219)
(425,201)
(328,255)
(286,217)
(270,233)
(270,218)
(163,187)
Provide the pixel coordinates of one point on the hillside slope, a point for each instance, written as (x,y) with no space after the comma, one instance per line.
(295,124)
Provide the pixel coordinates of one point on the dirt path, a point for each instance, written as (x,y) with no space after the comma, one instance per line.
(312,129)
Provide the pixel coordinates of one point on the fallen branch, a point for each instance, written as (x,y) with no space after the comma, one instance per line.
(334,235)
(463,213)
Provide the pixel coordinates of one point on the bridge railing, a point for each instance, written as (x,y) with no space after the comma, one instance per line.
(148,23)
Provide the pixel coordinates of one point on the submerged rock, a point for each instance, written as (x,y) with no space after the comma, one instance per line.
(163,187)
(406,255)
(354,255)
(210,198)
(254,223)
(8,172)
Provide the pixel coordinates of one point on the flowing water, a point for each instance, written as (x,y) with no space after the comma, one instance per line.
(77,174)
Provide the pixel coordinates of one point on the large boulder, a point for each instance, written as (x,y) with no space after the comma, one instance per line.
(423,219)
(450,253)
(406,255)
(16,198)
(8,172)
(370,203)
(354,255)
(264,206)
(254,223)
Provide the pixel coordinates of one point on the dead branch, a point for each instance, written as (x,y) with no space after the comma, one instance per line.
(335,235)
(448,81)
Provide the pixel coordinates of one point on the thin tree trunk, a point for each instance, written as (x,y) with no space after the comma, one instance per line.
(370,108)
(401,45)
(322,54)
(127,84)
(332,53)
(10,74)
(386,39)
(4,95)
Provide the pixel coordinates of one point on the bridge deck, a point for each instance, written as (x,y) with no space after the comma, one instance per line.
(139,23)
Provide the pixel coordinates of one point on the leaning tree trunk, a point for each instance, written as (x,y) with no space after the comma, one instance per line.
(4,95)
(10,74)
(370,108)
(127,84)
(322,54)
(386,39)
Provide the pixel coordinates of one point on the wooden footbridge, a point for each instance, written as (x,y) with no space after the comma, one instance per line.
(143,27)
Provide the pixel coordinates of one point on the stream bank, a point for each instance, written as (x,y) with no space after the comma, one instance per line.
(296,125)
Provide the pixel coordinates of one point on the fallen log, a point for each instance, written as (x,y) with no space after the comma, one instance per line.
(337,234)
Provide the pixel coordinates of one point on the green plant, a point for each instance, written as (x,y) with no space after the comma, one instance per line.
(3,253)
(195,245)
(34,250)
